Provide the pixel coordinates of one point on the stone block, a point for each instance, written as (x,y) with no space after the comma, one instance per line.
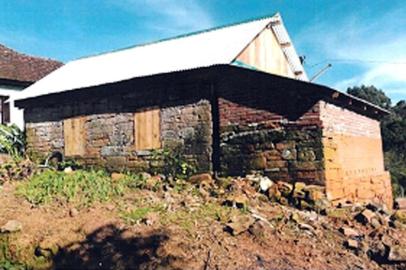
(276,164)
(272,155)
(289,154)
(258,162)
(116,163)
(306,154)
(109,151)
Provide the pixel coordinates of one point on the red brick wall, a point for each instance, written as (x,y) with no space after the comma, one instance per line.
(342,121)
(233,113)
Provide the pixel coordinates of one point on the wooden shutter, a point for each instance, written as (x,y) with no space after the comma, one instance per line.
(147,130)
(75,136)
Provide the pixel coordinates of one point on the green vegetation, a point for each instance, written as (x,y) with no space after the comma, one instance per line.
(393,133)
(174,162)
(186,218)
(7,261)
(12,141)
(78,187)
(137,214)
(371,94)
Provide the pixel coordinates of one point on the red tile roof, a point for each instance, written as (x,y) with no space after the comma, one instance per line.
(21,67)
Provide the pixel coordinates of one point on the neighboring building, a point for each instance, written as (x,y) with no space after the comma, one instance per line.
(236,99)
(18,71)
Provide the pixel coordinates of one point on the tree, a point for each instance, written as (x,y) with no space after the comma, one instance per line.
(400,109)
(371,94)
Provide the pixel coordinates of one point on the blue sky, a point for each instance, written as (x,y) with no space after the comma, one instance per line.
(365,41)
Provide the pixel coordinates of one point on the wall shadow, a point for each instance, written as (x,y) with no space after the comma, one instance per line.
(108,248)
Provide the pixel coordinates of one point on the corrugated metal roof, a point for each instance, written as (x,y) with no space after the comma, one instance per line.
(201,49)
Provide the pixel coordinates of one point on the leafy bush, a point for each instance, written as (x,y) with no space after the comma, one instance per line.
(173,162)
(12,141)
(79,187)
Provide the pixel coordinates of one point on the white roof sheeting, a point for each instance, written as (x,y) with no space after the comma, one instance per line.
(202,49)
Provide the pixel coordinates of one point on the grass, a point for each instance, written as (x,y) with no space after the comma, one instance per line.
(6,261)
(80,187)
(185,218)
(137,214)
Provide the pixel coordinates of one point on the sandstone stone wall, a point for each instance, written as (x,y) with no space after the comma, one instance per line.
(354,165)
(44,137)
(110,131)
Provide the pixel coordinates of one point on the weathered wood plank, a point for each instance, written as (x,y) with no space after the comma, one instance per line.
(147,129)
(75,136)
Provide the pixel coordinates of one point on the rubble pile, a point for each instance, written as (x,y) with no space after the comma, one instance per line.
(368,229)
(299,195)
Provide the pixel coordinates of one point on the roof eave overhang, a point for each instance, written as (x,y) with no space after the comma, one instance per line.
(17,83)
(216,72)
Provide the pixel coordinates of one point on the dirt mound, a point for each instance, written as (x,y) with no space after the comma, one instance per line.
(234,225)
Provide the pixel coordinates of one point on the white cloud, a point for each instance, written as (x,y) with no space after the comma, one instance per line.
(169,16)
(374,48)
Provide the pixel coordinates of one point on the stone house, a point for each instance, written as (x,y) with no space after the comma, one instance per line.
(236,99)
(17,72)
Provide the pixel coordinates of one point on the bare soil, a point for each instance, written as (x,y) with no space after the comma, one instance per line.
(56,236)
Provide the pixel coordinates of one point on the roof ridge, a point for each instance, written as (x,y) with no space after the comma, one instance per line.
(182,35)
(28,55)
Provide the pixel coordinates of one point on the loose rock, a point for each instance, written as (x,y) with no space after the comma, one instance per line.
(68,170)
(349,232)
(400,216)
(117,176)
(236,200)
(151,218)
(397,254)
(265,183)
(365,216)
(400,203)
(285,188)
(315,193)
(274,194)
(258,229)
(307,227)
(11,226)
(239,224)
(352,244)
(201,178)
(73,212)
